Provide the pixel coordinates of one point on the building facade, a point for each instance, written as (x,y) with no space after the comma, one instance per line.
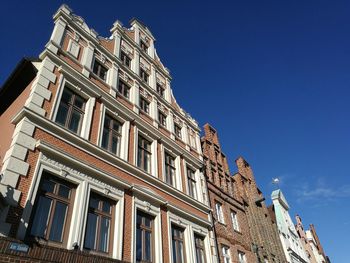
(263,230)
(96,154)
(291,242)
(311,243)
(229,216)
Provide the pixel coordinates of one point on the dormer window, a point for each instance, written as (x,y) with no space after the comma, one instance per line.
(144,76)
(100,70)
(125,59)
(160,90)
(143,46)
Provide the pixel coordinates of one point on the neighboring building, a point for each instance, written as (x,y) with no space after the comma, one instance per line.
(96,154)
(291,242)
(263,230)
(311,243)
(230,221)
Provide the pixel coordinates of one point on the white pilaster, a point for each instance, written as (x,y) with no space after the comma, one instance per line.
(124,147)
(57,35)
(113,80)
(88,56)
(151,49)
(153,110)
(167,92)
(85,129)
(117,43)
(135,63)
(153,80)
(154,165)
(134,96)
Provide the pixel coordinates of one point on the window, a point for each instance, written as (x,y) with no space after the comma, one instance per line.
(70,112)
(144,104)
(111,135)
(226,254)
(144,76)
(178,244)
(100,70)
(123,89)
(177,130)
(144,239)
(200,251)
(169,169)
(219,213)
(162,119)
(144,154)
(52,209)
(98,227)
(160,90)
(143,46)
(241,257)
(125,59)
(234,221)
(191,180)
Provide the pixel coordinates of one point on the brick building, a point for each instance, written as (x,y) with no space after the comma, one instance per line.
(263,230)
(229,216)
(96,154)
(311,243)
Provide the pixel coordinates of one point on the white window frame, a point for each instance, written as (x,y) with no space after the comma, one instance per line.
(124,140)
(219,212)
(177,179)
(226,253)
(234,220)
(154,159)
(89,105)
(242,257)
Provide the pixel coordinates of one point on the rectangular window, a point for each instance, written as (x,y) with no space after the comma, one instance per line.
(144,154)
(143,46)
(234,221)
(191,180)
(98,227)
(125,59)
(200,251)
(219,213)
(144,76)
(177,130)
(111,135)
(70,112)
(100,70)
(162,119)
(160,90)
(242,257)
(144,237)
(169,169)
(52,210)
(123,89)
(226,254)
(178,244)
(144,105)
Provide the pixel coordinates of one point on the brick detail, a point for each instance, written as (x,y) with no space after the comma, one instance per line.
(165,234)
(127,239)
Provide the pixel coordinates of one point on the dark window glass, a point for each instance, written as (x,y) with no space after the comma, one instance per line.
(191,179)
(169,169)
(98,227)
(144,76)
(177,130)
(143,46)
(51,211)
(161,119)
(144,105)
(111,135)
(144,238)
(200,251)
(70,112)
(160,90)
(123,89)
(125,59)
(144,154)
(100,70)
(178,244)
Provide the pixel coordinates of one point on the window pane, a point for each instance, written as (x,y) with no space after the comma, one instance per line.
(58,221)
(66,96)
(106,207)
(90,233)
(93,202)
(148,222)
(79,102)
(138,244)
(139,157)
(115,142)
(64,191)
(104,234)
(75,121)
(104,143)
(147,162)
(48,186)
(148,245)
(181,253)
(41,217)
(62,114)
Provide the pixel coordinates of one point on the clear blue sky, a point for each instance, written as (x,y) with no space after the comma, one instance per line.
(273,77)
